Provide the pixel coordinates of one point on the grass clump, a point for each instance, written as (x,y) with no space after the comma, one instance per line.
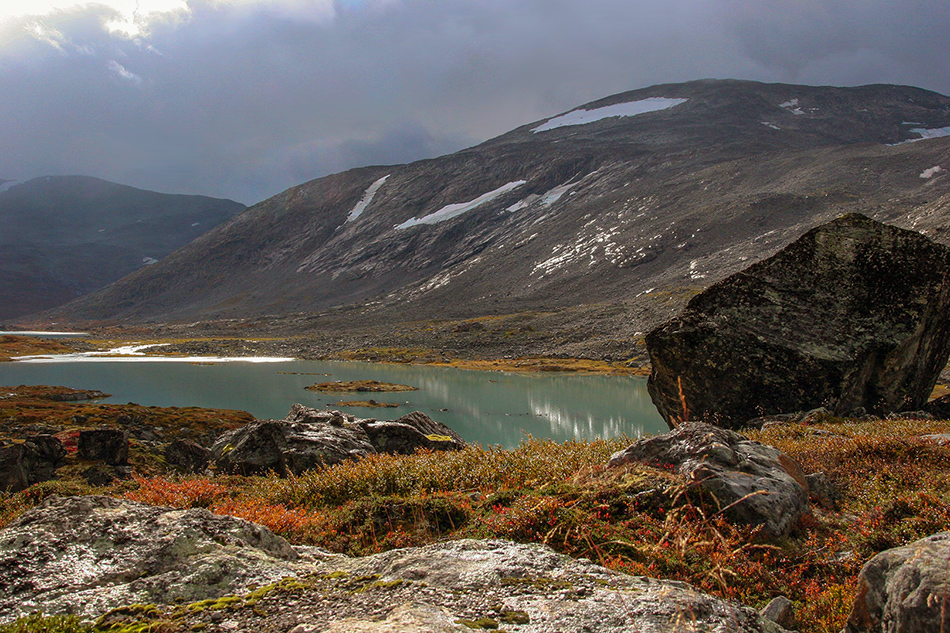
(39,623)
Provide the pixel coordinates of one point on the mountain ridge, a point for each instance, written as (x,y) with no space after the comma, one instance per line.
(667,201)
(64,236)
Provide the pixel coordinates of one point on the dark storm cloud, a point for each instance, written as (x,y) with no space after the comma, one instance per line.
(244,101)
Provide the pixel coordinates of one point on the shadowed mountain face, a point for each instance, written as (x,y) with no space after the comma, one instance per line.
(675,188)
(65,236)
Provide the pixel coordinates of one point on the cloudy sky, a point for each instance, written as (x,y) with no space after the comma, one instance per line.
(244,98)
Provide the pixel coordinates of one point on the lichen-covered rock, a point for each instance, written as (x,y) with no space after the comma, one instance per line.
(86,555)
(760,484)
(411,432)
(501,584)
(308,438)
(89,555)
(904,590)
(854,314)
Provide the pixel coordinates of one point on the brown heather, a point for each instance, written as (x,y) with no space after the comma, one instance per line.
(636,520)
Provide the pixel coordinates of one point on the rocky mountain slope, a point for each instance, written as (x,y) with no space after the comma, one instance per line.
(64,236)
(634,202)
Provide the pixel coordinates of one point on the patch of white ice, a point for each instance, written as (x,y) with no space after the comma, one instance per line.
(148,261)
(367,198)
(930,173)
(771,125)
(632,108)
(450,211)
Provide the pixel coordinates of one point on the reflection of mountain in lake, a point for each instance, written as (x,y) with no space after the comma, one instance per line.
(486,407)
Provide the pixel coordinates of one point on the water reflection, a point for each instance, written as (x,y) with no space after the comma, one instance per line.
(486,407)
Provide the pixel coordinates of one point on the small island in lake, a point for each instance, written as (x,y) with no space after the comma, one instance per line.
(367,403)
(359,385)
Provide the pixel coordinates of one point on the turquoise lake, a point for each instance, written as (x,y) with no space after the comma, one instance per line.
(492,408)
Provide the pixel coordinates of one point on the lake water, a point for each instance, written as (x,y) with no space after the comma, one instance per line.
(486,407)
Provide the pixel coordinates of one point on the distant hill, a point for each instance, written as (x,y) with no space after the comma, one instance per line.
(64,236)
(635,201)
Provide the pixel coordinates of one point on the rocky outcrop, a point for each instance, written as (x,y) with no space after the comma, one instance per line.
(308,438)
(758,484)
(87,555)
(30,462)
(855,315)
(187,455)
(90,555)
(904,590)
(108,445)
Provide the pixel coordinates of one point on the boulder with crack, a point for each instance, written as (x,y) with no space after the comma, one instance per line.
(758,484)
(853,315)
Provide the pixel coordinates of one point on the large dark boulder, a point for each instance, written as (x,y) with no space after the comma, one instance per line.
(187,455)
(107,445)
(30,462)
(759,484)
(308,438)
(853,315)
(904,590)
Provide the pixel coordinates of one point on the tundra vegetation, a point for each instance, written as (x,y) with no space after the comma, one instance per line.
(636,519)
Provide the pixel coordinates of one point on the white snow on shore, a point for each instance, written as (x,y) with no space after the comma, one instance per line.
(367,198)
(450,211)
(136,354)
(632,108)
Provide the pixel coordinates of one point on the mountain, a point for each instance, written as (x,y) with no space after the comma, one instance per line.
(65,236)
(628,206)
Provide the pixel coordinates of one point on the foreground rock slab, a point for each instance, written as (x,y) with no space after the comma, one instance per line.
(86,555)
(905,590)
(853,315)
(90,555)
(758,483)
(309,438)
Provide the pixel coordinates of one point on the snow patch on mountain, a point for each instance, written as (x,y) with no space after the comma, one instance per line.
(792,106)
(632,108)
(450,211)
(930,173)
(929,133)
(367,198)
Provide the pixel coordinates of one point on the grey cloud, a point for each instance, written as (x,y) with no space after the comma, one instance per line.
(244,102)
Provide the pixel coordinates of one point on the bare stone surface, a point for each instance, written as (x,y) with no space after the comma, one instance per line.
(853,315)
(760,484)
(904,590)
